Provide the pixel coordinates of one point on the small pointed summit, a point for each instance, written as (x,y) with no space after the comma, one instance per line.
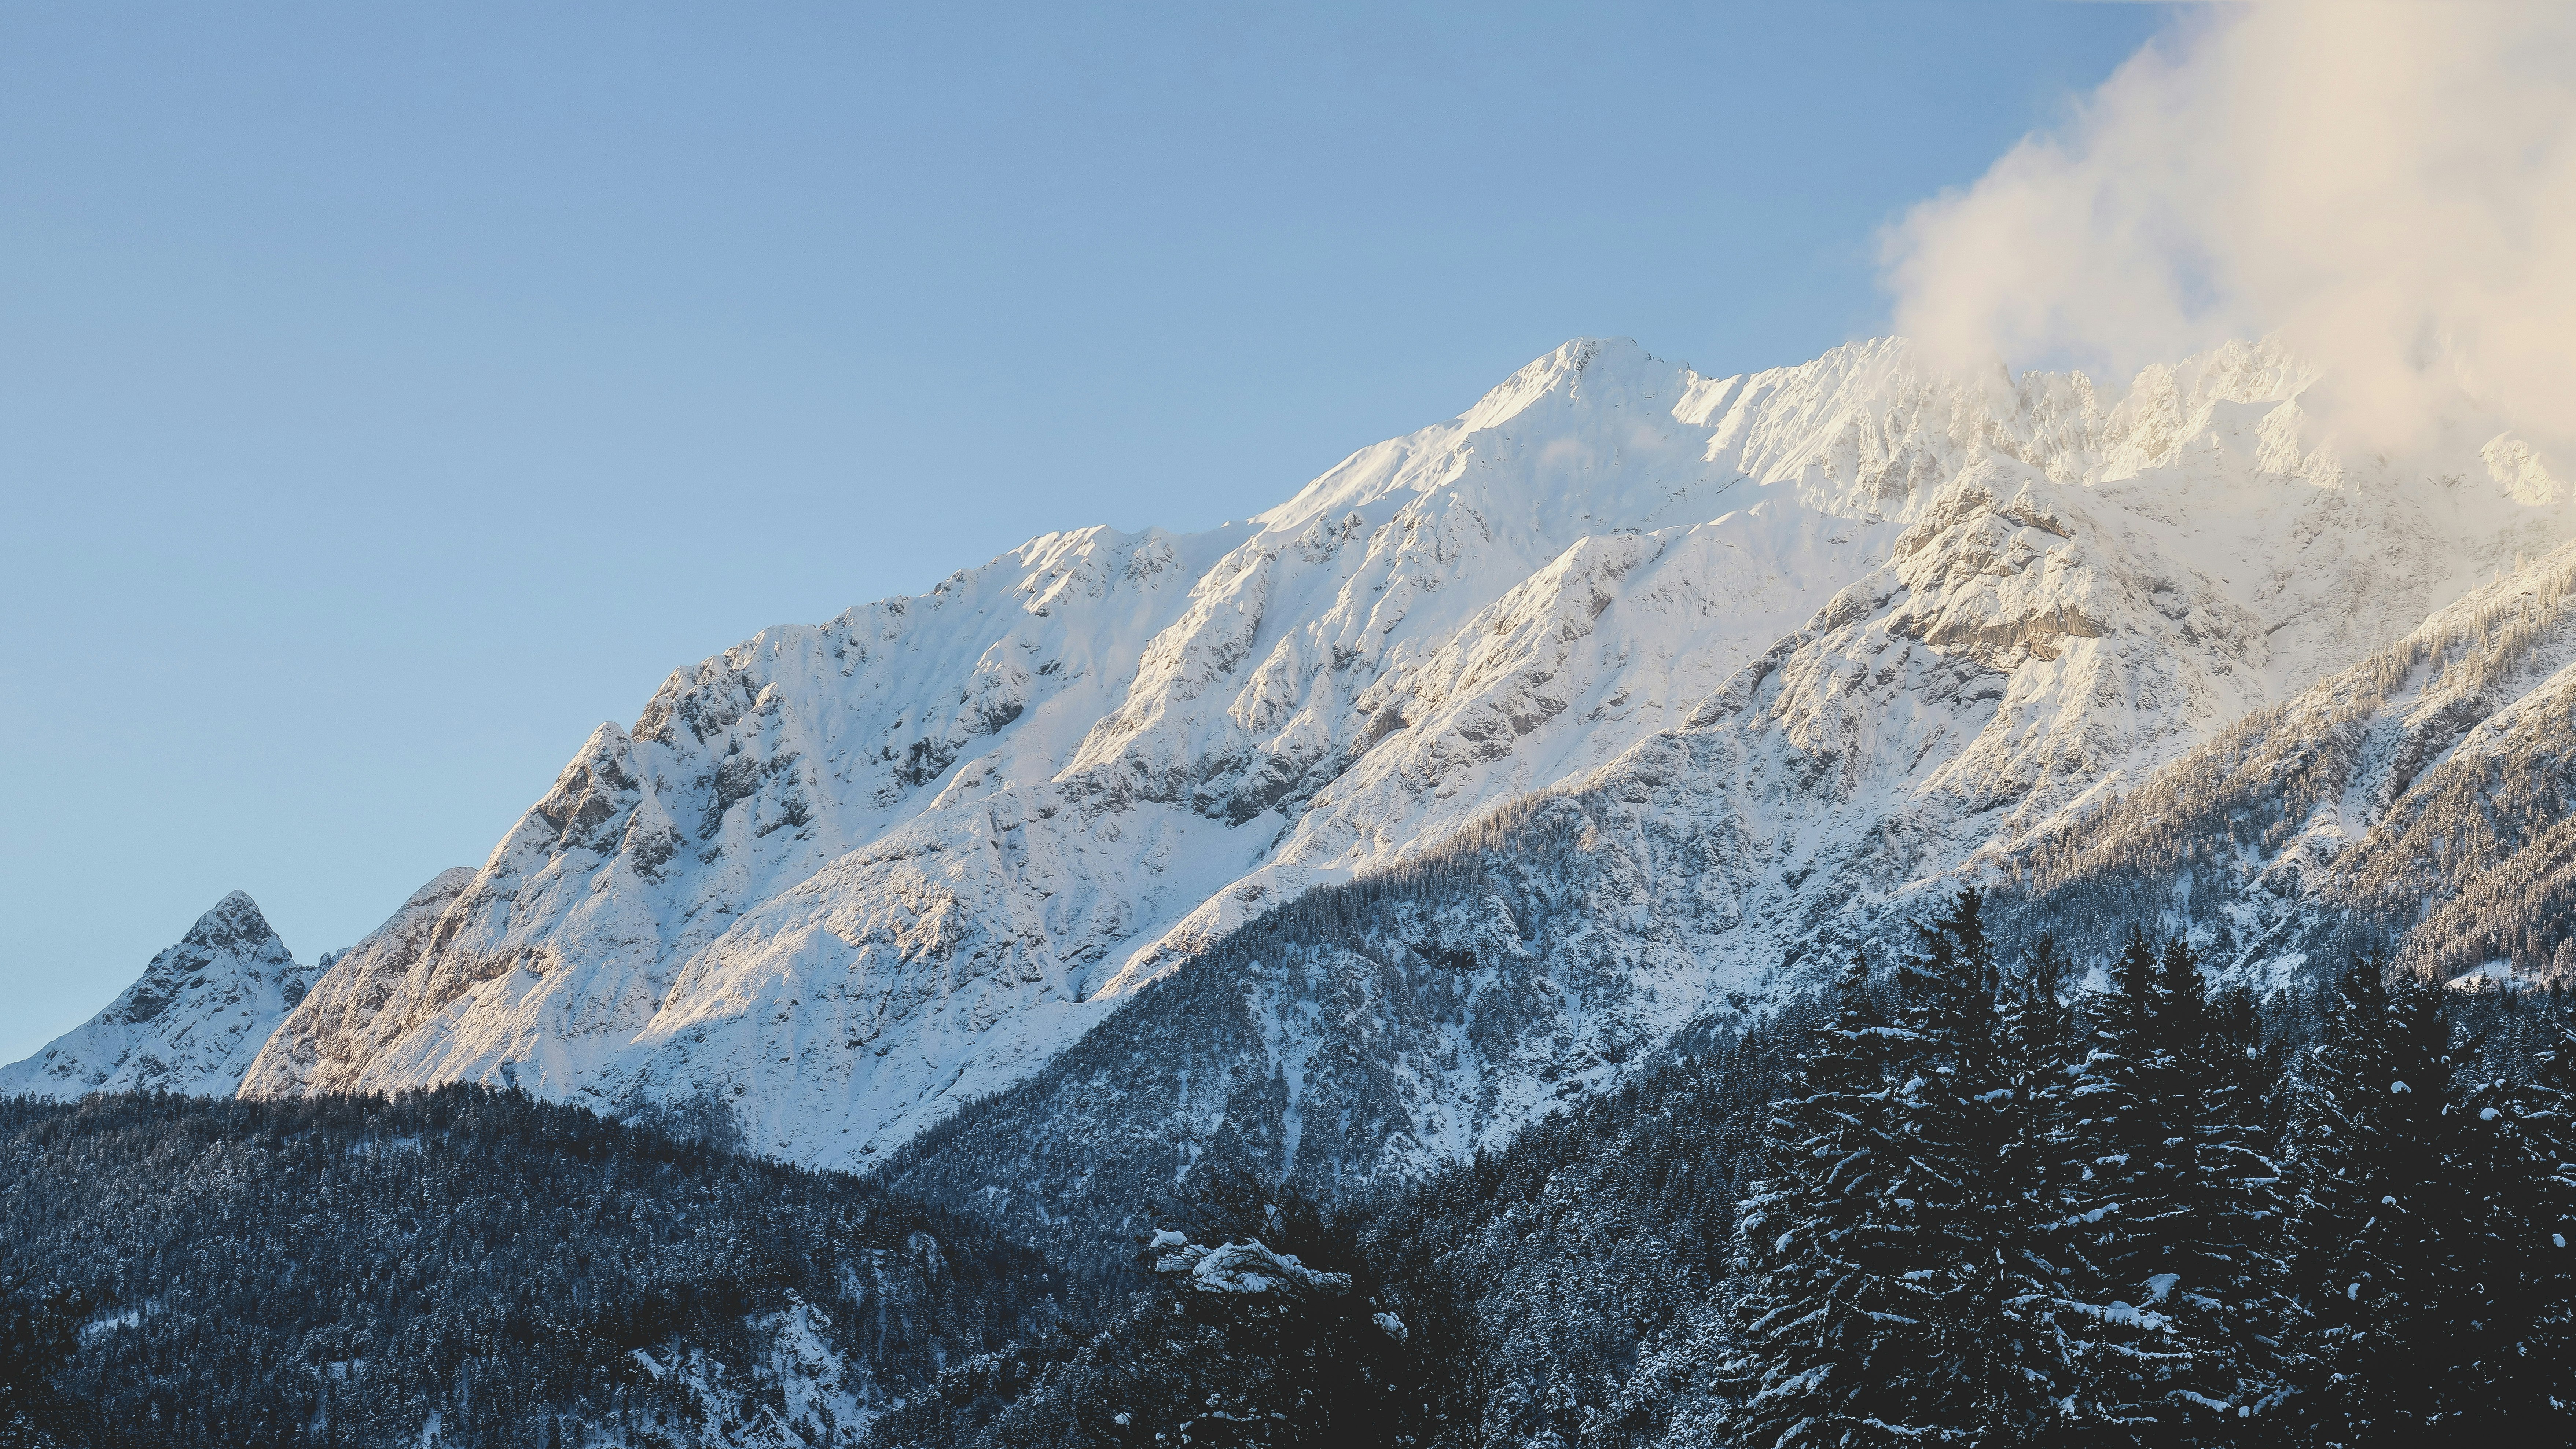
(191,1022)
(232,922)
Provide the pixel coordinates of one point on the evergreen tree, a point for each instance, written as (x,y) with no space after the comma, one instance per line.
(1830,1341)
(2509,1332)
(2173,1217)
(1963,1185)
(2226,1243)
(2127,1165)
(2039,1033)
(2369,1205)
(2039,1039)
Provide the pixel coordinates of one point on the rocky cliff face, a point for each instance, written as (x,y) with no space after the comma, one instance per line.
(192,1023)
(1626,696)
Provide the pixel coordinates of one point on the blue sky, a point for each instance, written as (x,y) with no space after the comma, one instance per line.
(388,395)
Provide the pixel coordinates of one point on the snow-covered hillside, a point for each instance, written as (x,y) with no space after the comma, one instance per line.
(858,871)
(1742,662)
(2424,793)
(2035,643)
(192,1023)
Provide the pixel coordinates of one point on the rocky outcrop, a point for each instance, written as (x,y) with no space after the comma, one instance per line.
(2418,801)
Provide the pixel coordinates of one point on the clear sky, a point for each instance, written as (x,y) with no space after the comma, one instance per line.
(388,395)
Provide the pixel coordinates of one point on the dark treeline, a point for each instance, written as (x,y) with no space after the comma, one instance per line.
(1990,1220)
(1953,1199)
(343,1270)
(1382,1358)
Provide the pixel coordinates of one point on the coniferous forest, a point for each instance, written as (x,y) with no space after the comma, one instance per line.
(461,1266)
(1956,1198)
(1988,1220)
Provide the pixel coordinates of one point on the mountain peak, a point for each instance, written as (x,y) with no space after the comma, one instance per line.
(1577,410)
(1611,368)
(190,1023)
(235,918)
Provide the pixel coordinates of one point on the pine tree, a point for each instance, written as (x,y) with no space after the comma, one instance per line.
(2171,1217)
(2039,1039)
(1830,1343)
(2039,1031)
(2225,1247)
(2369,1203)
(2511,1329)
(2127,1165)
(1965,1125)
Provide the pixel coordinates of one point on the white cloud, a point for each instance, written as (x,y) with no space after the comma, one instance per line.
(2389,186)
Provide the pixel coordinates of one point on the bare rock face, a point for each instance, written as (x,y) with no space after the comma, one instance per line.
(192,1023)
(1670,683)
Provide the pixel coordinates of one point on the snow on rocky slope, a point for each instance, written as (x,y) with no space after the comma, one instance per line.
(1755,657)
(2423,794)
(192,1023)
(2054,621)
(853,872)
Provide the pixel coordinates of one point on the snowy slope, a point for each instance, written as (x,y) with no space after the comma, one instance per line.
(348,990)
(2037,644)
(1792,646)
(2424,793)
(192,1023)
(856,869)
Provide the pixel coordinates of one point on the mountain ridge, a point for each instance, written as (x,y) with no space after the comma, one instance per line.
(1753,661)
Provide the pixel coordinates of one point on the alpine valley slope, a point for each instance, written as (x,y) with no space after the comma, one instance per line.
(2423,798)
(1643,684)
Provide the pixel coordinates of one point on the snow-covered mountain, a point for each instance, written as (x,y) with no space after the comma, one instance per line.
(2040,647)
(1608,703)
(192,1023)
(856,872)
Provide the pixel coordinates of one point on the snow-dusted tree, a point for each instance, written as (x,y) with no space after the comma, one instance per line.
(2039,1032)
(2225,1245)
(2369,1204)
(1896,1295)
(2510,1332)
(1831,1346)
(2174,1214)
(2127,1158)
(2039,1041)
(1968,1185)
